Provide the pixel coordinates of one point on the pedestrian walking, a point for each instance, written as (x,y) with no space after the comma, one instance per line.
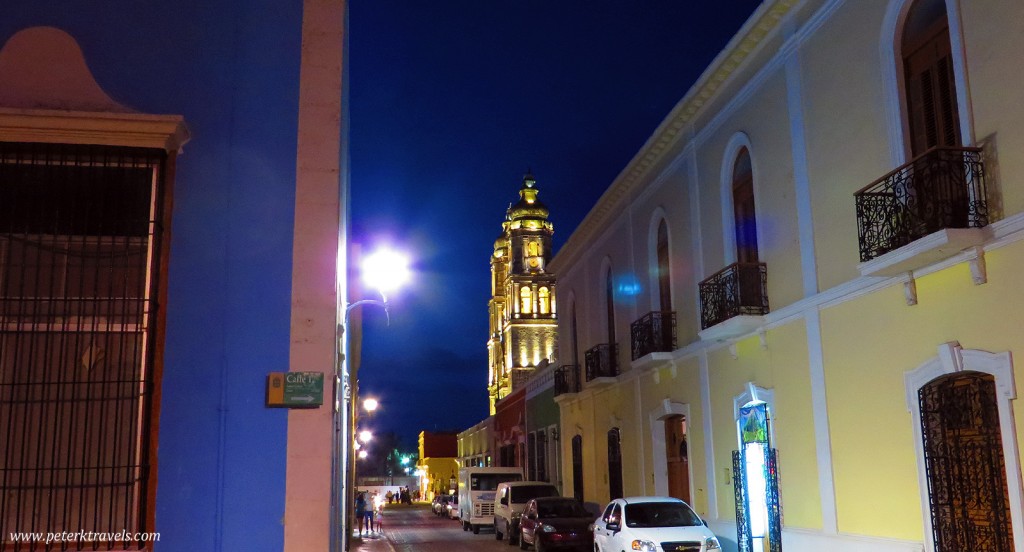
(360,507)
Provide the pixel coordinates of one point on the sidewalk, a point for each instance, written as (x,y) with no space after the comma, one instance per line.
(374,542)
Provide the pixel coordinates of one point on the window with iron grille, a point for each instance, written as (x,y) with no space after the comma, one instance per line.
(531,447)
(542,456)
(80,239)
(577,467)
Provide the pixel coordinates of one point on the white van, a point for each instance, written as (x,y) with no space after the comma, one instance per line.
(477,487)
(509,502)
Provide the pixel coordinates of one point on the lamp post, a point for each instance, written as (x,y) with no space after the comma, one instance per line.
(384,271)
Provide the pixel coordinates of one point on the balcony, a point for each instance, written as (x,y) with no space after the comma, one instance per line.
(654,332)
(925,211)
(733,301)
(602,363)
(567,379)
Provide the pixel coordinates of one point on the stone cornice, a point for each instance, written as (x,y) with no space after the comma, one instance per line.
(750,37)
(167,132)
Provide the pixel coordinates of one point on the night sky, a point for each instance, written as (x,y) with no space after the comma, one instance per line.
(451,102)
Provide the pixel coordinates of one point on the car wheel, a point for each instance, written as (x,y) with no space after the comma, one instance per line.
(513,534)
(476,529)
(465,526)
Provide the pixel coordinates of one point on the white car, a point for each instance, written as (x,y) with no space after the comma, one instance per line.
(652,524)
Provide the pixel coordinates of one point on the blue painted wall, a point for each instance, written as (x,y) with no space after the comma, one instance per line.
(231,69)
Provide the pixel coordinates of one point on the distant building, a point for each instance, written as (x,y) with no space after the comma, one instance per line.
(475,444)
(523,325)
(438,464)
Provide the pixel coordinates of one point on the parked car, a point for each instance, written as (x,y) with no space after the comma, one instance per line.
(509,501)
(652,524)
(556,522)
(440,504)
(453,507)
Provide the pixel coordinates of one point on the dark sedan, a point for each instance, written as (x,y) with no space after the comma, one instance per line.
(556,522)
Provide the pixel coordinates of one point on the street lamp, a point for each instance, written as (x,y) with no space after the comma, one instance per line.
(384,271)
(370,404)
(365,435)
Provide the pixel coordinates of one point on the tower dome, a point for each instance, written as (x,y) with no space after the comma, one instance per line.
(528,207)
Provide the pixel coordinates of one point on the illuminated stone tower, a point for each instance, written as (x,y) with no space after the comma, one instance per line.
(523,327)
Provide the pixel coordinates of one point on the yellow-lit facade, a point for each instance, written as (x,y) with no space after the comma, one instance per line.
(523,317)
(859,349)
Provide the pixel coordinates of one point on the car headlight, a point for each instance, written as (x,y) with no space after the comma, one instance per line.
(711,543)
(645,546)
(545,528)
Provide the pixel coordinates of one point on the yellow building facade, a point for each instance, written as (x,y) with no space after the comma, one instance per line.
(797,307)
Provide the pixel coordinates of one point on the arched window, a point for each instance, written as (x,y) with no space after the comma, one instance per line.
(525,300)
(614,464)
(577,467)
(963,454)
(664,280)
(610,304)
(929,83)
(544,301)
(744,217)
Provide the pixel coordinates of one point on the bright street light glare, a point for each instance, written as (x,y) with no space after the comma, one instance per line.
(385,270)
(365,435)
(363,454)
(370,404)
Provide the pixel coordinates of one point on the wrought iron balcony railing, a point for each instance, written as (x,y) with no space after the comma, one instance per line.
(654,332)
(602,361)
(738,289)
(567,379)
(941,188)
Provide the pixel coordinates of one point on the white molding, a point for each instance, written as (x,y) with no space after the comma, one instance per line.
(659,452)
(708,428)
(696,232)
(737,142)
(930,249)
(822,434)
(740,325)
(801,180)
(166,132)
(639,403)
(951,358)
(807,540)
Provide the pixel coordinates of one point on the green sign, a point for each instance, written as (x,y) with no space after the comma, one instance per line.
(295,389)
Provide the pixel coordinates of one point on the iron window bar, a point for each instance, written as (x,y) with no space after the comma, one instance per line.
(654,332)
(80,251)
(602,361)
(567,379)
(738,289)
(942,188)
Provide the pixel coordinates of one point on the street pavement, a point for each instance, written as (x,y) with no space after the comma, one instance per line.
(416,529)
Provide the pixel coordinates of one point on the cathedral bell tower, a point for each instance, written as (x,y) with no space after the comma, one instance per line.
(523,324)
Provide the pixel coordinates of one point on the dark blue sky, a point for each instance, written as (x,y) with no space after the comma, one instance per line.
(451,102)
